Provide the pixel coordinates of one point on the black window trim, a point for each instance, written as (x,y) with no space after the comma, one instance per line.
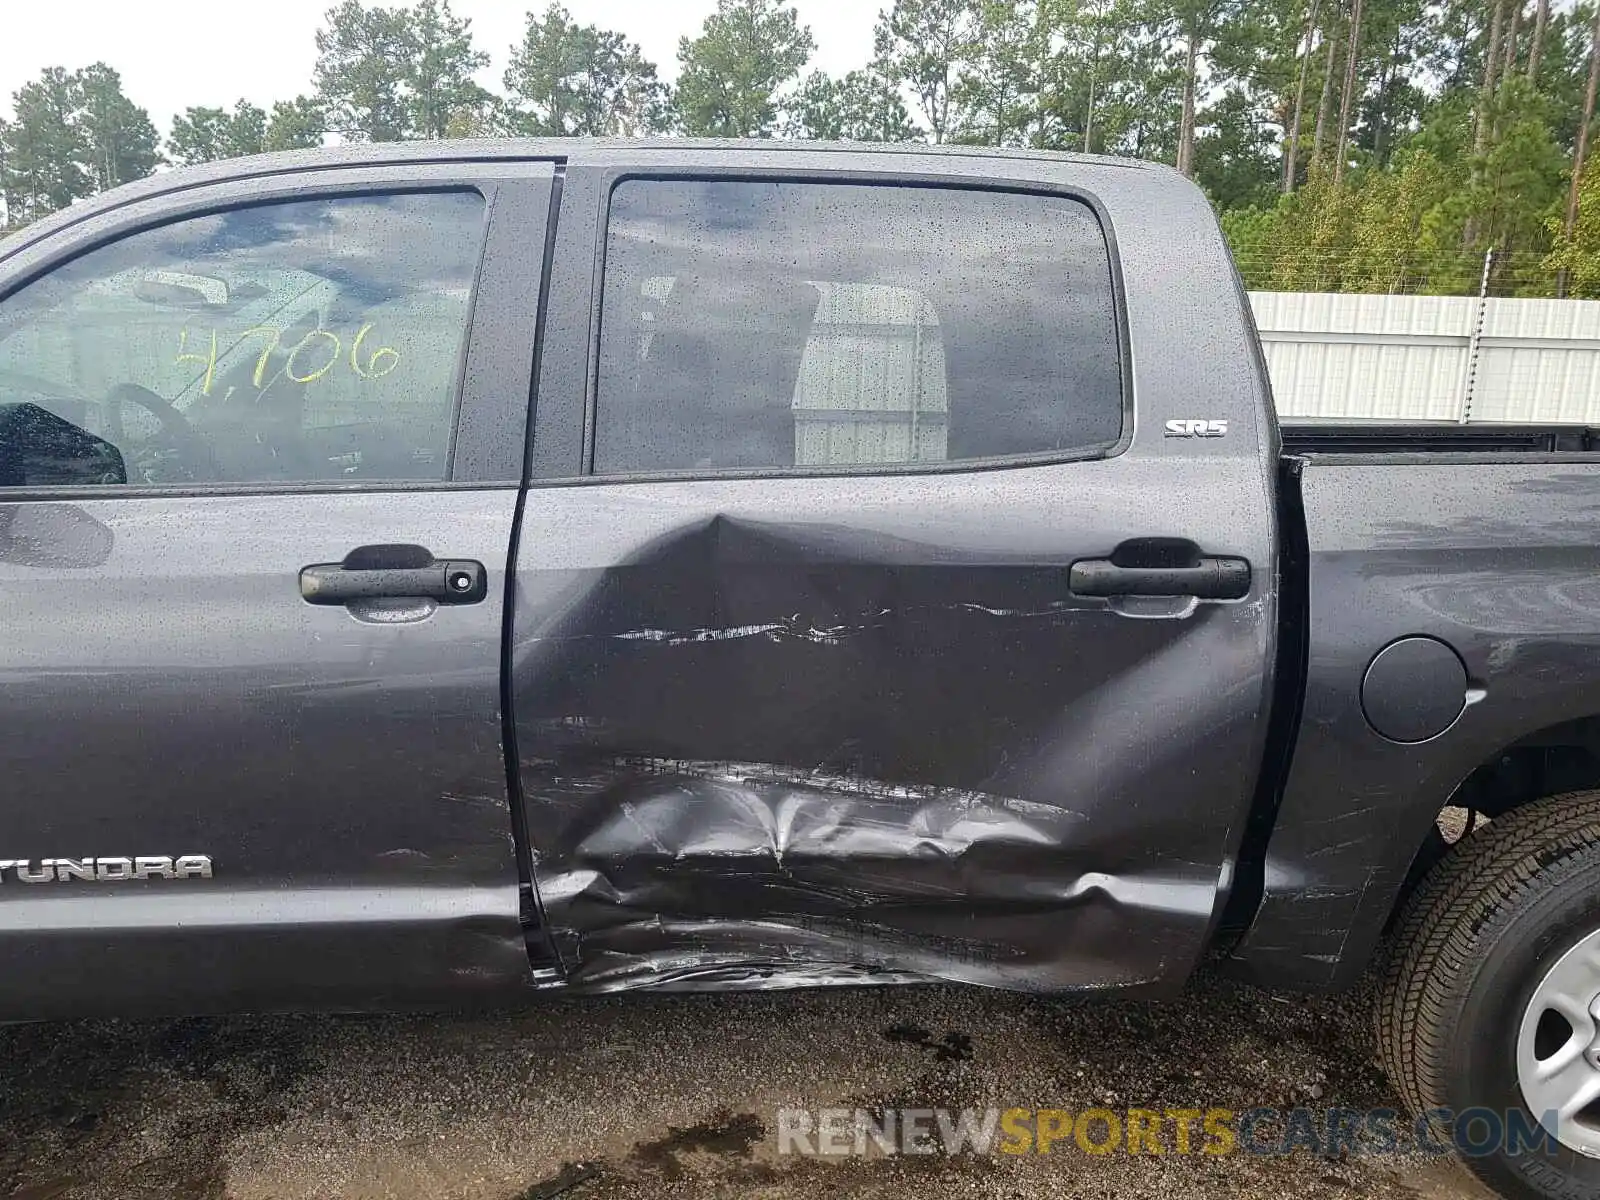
(611,179)
(503,187)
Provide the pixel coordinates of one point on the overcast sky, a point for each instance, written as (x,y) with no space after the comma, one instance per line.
(174,53)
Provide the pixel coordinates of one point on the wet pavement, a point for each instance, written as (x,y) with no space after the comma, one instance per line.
(656,1096)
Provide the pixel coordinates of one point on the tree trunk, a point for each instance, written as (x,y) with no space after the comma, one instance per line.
(1540,20)
(1583,130)
(1293,154)
(1380,114)
(1094,71)
(1509,57)
(1480,137)
(1483,125)
(1185,162)
(1325,104)
(1088,119)
(1352,59)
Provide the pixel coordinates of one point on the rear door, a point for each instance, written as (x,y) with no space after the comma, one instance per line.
(865,627)
(260,444)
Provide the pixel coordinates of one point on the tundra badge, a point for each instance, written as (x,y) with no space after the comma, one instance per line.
(106,870)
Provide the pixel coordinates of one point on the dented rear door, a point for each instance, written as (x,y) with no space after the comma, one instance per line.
(824,665)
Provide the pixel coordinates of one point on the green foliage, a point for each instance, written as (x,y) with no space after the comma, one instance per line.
(997,88)
(360,72)
(201,135)
(1380,231)
(861,107)
(70,136)
(1522,177)
(294,125)
(570,80)
(731,75)
(1404,230)
(918,46)
(119,142)
(44,149)
(1577,256)
(383,75)
(438,68)
(1236,158)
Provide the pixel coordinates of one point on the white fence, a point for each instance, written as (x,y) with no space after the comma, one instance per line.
(1431,358)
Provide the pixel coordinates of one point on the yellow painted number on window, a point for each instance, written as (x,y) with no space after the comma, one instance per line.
(272,336)
(209,359)
(367,364)
(377,365)
(288,367)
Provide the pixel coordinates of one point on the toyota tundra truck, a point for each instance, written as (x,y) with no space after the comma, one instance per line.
(443,573)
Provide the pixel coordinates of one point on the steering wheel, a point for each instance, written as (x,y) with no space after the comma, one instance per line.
(188,450)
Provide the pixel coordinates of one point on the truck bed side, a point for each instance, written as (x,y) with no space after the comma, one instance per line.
(1493,555)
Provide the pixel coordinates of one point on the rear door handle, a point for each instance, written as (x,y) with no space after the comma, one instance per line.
(1206,579)
(394,572)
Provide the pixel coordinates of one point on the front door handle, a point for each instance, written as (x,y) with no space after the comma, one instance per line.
(394,573)
(1204,579)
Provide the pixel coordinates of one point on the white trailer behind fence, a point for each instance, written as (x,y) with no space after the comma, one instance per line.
(1431,358)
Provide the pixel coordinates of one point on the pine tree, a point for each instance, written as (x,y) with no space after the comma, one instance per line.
(997,89)
(921,45)
(732,74)
(861,107)
(118,141)
(201,134)
(44,149)
(360,72)
(296,124)
(438,68)
(566,79)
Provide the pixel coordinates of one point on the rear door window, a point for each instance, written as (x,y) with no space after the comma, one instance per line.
(794,325)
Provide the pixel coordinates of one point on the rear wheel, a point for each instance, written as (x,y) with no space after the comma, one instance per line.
(1489,1014)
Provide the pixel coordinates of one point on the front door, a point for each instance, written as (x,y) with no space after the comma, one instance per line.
(253,542)
(807,685)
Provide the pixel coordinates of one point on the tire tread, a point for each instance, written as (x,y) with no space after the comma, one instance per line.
(1427,965)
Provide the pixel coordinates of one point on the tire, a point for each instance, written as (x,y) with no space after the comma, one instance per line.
(1476,944)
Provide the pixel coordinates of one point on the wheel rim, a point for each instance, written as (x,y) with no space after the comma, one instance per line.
(1558,1049)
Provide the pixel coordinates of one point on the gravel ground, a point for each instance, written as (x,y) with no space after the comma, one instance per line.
(651,1096)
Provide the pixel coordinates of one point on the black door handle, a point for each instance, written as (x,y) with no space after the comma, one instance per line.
(394,572)
(1205,579)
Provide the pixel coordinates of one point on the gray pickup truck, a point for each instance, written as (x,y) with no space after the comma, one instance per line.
(439,573)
